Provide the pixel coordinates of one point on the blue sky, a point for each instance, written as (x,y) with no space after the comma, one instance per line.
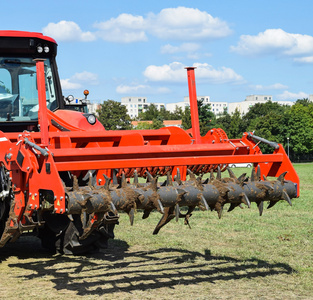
(140,48)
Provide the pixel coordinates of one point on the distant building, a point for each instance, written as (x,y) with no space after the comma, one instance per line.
(92,107)
(216,107)
(136,105)
(244,106)
(311,98)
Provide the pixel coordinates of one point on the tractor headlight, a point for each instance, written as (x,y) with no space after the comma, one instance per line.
(90,118)
(39,48)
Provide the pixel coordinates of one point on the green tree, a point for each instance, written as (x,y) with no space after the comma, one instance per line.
(236,125)
(178,113)
(113,115)
(206,117)
(304,101)
(223,121)
(300,129)
(261,110)
(150,113)
(186,119)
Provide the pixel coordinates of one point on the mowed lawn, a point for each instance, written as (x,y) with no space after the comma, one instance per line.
(241,256)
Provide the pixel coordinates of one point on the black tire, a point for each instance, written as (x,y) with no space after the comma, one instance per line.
(62,235)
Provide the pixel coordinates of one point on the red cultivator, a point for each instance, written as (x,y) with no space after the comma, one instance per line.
(67,180)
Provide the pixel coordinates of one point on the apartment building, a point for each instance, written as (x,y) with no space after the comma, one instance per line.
(216,107)
(244,106)
(136,105)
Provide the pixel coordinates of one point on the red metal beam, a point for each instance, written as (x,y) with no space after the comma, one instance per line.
(193,105)
(42,113)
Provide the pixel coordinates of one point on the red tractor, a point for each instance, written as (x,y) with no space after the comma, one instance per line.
(65,178)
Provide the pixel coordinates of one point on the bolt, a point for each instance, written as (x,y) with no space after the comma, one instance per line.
(27,168)
(61,210)
(55,197)
(61,198)
(35,194)
(30,194)
(35,207)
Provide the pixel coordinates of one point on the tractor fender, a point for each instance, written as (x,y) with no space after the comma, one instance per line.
(79,119)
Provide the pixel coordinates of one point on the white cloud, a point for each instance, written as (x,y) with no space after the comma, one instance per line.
(275,86)
(141,89)
(275,41)
(305,60)
(175,72)
(185,47)
(292,96)
(86,77)
(68,85)
(68,31)
(79,80)
(125,28)
(183,23)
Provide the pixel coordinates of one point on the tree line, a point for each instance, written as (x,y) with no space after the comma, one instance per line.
(291,126)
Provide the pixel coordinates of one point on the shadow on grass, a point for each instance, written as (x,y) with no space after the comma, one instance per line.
(120,270)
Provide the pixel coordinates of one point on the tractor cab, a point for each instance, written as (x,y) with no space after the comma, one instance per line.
(18,81)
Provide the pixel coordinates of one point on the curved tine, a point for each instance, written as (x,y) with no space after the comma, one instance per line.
(177,177)
(177,212)
(107,181)
(131,215)
(287,198)
(203,202)
(135,177)
(258,173)
(149,176)
(192,176)
(166,217)
(219,174)
(199,178)
(281,177)
(220,212)
(242,178)
(231,174)
(253,175)
(169,180)
(272,203)
(232,206)
(246,200)
(123,181)
(212,175)
(260,207)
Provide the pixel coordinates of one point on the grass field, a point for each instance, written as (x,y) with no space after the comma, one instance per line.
(241,256)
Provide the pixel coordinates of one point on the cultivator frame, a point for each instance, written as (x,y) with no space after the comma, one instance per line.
(70,183)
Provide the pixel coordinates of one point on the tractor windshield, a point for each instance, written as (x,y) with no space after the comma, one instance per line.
(18,89)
